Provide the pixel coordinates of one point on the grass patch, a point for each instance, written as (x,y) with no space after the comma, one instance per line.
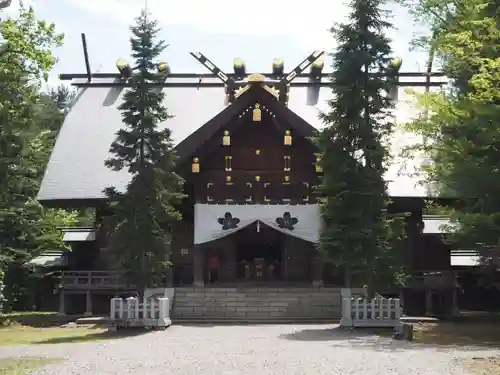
(34,319)
(22,328)
(23,366)
(21,335)
(461,333)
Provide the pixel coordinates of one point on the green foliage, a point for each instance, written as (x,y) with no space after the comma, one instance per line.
(26,228)
(358,233)
(143,216)
(462,133)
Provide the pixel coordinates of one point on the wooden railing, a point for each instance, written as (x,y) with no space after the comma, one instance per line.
(150,313)
(92,280)
(377,312)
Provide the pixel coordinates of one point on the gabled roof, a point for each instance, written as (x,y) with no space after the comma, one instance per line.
(193,142)
(76,170)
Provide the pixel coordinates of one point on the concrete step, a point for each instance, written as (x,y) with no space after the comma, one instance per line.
(256,298)
(257,303)
(257,289)
(253,320)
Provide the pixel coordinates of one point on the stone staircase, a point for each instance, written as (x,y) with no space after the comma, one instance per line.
(257,304)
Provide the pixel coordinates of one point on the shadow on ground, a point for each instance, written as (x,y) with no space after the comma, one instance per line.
(36,319)
(98,335)
(380,339)
(440,335)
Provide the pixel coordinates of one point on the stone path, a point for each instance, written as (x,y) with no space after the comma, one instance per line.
(249,350)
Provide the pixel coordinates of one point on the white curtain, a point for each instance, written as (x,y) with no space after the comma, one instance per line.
(213,221)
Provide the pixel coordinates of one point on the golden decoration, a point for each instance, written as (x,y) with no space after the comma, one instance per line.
(228,163)
(226,139)
(257,178)
(287,141)
(229,180)
(241,90)
(256,77)
(286,179)
(287,166)
(272,90)
(195,167)
(257,152)
(257,113)
(163,68)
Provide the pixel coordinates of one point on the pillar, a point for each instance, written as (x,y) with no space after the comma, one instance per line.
(428,303)
(198,265)
(454,296)
(62,303)
(414,228)
(317,270)
(88,303)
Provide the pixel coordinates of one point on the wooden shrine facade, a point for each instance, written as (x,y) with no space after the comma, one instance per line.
(253,150)
(256,158)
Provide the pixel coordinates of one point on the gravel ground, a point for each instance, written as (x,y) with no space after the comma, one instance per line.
(249,350)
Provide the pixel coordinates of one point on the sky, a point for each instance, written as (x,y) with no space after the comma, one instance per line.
(257,33)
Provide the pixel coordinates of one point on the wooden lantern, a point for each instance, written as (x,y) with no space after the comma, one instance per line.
(257,113)
(195,167)
(287,141)
(318,167)
(226,139)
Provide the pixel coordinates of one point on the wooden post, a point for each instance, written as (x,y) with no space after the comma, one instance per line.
(112,308)
(198,265)
(163,320)
(317,270)
(62,303)
(428,302)
(88,303)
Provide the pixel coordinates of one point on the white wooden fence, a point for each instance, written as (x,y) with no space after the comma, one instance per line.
(131,312)
(378,312)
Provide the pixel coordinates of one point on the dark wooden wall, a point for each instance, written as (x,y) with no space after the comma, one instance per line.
(257,172)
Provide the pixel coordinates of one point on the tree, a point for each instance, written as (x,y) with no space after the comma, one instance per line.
(357,233)
(461,133)
(144,214)
(27,229)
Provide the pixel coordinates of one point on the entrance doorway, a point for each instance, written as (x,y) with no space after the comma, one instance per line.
(259,253)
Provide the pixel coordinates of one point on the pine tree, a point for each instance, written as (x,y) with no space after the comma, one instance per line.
(26,228)
(143,215)
(353,153)
(462,133)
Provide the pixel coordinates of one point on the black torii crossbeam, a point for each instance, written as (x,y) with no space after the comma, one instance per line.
(294,78)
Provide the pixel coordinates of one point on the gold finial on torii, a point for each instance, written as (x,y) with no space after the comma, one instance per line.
(256,77)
